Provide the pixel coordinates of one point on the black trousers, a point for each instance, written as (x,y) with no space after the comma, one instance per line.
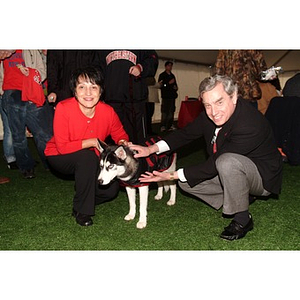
(150,108)
(167,112)
(84,165)
(133,117)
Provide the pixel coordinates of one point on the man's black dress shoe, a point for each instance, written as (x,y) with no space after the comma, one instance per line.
(82,219)
(236,231)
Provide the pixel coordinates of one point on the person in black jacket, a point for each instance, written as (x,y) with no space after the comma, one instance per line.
(126,88)
(168,86)
(243,157)
(60,66)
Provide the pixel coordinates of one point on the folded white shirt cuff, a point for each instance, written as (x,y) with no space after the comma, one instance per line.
(162,147)
(181,176)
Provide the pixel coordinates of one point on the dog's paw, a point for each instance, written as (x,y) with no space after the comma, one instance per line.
(141,225)
(171,202)
(129,217)
(158,196)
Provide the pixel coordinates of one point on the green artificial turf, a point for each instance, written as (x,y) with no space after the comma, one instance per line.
(36,215)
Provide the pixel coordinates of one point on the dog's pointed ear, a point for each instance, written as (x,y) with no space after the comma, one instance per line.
(121,153)
(102,146)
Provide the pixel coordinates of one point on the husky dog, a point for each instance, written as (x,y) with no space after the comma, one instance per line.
(119,162)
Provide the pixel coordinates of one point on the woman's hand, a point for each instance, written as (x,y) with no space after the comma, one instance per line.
(90,143)
(123,142)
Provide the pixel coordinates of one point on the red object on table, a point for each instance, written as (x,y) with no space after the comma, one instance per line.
(189,110)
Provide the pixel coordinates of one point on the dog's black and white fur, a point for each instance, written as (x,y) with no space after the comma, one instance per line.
(119,162)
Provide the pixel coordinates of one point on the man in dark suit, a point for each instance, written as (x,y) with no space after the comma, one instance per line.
(168,86)
(243,157)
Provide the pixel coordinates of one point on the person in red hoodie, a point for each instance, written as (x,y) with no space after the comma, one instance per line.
(24,104)
(78,124)
(5,54)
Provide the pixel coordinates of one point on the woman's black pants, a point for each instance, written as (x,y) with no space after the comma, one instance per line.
(84,165)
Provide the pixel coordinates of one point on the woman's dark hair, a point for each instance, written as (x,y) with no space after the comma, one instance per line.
(91,74)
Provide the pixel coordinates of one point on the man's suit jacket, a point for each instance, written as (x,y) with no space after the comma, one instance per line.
(247,132)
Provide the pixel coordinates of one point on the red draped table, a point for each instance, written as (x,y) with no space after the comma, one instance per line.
(189,110)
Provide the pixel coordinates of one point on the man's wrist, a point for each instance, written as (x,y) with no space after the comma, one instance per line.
(153,148)
(172,176)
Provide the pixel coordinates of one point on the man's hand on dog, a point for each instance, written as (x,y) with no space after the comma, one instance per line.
(143,151)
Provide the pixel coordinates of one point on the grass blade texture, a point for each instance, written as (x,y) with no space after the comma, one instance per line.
(36,215)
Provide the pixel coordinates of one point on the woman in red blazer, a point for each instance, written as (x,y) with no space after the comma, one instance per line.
(78,124)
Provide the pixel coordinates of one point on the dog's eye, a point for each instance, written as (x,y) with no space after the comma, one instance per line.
(111,166)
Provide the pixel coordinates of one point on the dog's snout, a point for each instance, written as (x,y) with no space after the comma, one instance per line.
(100,181)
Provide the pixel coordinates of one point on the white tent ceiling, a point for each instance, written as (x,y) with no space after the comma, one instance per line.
(289,60)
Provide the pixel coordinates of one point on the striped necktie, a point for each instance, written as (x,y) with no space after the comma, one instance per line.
(214,139)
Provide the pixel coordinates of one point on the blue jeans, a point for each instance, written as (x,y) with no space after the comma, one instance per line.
(8,147)
(25,113)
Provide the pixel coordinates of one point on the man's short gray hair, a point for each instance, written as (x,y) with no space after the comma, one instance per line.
(210,83)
